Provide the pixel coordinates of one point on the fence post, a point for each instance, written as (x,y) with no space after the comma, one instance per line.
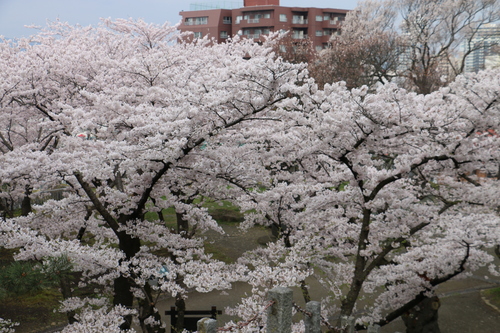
(313,323)
(279,315)
(373,329)
(348,324)
(207,325)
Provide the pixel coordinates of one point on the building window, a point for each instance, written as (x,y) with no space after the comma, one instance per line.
(227,20)
(319,18)
(299,19)
(319,48)
(238,19)
(332,18)
(319,33)
(196,20)
(266,31)
(283,18)
(198,35)
(298,34)
(246,17)
(223,34)
(267,15)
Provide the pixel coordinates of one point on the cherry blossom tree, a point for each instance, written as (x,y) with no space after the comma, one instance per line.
(374,193)
(378,195)
(119,116)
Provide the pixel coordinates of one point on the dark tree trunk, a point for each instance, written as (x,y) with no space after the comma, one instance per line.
(6,208)
(180,306)
(66,293)
(122,286)
(182,225)
(180,303)
(146,310)
(423,318)
(26,203)
(347,304)
(123,296)
(305,291)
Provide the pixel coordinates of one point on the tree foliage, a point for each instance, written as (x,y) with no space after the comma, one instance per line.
(371,191)
(384,198)
(119,116)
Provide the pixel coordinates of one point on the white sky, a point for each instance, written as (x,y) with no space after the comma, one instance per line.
(15,14)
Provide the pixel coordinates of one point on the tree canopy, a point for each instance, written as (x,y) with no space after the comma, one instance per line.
(372,191)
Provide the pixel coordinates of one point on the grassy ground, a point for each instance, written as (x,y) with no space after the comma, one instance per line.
(492,297)
(33,312)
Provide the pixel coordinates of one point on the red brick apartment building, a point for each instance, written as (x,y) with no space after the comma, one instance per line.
(261,17)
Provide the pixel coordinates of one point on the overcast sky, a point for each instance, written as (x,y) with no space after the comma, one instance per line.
(15,14)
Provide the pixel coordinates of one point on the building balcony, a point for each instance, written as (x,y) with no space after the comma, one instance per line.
(252,23)
(198,22)
(300,21)
(331,24)
(299,36)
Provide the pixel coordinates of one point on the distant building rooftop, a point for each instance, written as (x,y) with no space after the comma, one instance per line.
(215,5)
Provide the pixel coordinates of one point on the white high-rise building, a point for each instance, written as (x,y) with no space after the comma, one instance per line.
(485,46)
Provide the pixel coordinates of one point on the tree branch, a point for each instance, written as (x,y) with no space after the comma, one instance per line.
(110,220)
(421,296)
